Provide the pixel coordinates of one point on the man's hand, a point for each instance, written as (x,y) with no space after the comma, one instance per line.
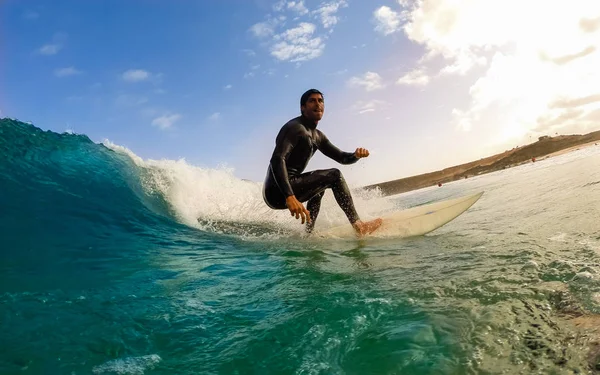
(361,153)
(297,209)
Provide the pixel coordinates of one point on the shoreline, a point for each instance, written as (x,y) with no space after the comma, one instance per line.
(570,149)
(545,147)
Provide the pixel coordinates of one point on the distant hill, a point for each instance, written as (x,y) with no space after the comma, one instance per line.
(544,146)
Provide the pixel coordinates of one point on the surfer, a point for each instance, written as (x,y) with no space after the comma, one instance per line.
(286,186)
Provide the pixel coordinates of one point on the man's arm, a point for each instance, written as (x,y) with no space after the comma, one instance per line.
(284,145)
(331,151)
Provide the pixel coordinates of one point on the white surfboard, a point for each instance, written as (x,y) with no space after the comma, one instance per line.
(415,221)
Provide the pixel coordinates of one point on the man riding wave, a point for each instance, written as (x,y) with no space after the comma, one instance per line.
(286,186)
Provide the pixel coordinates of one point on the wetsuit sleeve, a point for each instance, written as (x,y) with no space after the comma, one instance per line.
(284,145)
(329,150)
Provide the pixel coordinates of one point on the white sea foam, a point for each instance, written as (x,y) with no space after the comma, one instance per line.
(215,199)
(128,366)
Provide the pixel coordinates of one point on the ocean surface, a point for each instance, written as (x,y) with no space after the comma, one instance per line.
(110,264)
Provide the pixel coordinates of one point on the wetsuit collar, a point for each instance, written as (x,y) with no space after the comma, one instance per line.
(308,123)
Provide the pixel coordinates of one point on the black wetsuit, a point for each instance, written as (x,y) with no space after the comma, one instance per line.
(295,144)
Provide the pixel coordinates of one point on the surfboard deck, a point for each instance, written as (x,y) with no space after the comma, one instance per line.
(415,221)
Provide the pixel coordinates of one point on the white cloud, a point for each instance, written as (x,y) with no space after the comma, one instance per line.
(58,41)
(262,30)
(370,81)
(227,87)
(166,121)
(249,52)
(529,57)
(215,116)
(279,6)
(361,107)
(298,7)
(463,63)
(387,21)
(298,44)
(135,75)
(416,77)
(50,49)
(267,28)
(64,72)
(340,72)
(327,12)
(576,102)
(304,41)
(295,6)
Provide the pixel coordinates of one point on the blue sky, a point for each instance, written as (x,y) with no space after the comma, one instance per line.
(423,85)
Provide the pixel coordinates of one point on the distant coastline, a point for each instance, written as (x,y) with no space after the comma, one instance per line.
(546,146)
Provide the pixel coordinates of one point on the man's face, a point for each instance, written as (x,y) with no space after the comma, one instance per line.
(314,107)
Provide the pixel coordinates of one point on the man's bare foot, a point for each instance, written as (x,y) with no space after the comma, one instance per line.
(368,227)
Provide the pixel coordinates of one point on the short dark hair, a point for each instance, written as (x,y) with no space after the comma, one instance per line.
(307,94)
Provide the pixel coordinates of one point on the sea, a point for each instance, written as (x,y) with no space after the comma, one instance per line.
(113,264)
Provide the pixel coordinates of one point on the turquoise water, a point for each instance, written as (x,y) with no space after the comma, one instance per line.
(115,265)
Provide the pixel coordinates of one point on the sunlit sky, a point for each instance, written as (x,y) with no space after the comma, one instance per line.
(423,85)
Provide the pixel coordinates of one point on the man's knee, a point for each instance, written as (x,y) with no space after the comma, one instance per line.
(334,174)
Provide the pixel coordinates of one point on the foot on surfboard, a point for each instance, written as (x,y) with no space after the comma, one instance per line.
(368,227)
